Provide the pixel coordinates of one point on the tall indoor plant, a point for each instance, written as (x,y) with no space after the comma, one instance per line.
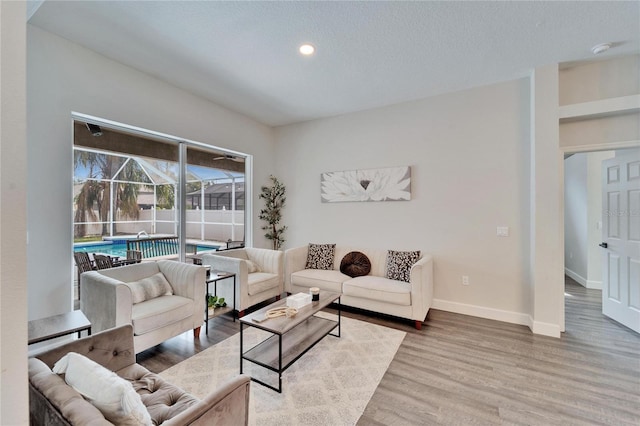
(274,199)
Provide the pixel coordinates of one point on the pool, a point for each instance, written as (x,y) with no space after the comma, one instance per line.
(119,247)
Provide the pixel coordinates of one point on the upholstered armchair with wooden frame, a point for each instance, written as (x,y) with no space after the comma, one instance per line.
(259,274)
(160,299)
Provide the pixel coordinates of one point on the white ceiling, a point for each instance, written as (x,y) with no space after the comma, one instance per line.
(243,55)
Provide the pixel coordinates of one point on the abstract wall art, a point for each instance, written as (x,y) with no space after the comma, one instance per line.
(386,184)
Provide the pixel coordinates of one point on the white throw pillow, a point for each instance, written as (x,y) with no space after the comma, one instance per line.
(111,394)
(252,266)
(149,288)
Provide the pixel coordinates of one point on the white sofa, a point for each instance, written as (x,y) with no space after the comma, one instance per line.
(372,292)
(108,301)
(259,274)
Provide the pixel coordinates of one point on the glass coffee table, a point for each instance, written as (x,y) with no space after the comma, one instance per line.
(292,336)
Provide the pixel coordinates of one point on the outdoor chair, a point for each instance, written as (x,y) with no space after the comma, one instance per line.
(102,261)
(83,264)
(134,255)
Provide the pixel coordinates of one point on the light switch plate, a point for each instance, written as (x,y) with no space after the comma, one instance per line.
(502,231)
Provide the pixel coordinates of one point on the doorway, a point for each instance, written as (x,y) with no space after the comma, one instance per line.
(584,224)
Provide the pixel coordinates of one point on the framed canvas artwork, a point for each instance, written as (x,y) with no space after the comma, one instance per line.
(385,184)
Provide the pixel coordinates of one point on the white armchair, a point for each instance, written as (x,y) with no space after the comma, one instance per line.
(137,295)
(259,274)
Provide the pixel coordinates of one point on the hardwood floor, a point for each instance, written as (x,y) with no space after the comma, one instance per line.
(466,370)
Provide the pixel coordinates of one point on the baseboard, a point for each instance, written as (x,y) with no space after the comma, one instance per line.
(544,328)
(576,277)
(596,285)
(482,312)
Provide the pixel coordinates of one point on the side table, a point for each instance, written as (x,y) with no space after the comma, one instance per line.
(214,277)
(58,325)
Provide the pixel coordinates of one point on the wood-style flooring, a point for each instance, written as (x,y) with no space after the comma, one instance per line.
(465,370)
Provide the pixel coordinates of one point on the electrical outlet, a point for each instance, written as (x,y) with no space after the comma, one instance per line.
(465,280)
(502,231)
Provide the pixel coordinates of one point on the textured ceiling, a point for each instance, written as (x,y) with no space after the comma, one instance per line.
(243,55)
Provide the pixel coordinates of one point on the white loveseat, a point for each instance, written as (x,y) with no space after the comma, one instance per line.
(259,274)
(108,301)
(373,292)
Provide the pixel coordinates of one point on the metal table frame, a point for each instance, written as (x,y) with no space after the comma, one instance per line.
(281,369)
(214,277)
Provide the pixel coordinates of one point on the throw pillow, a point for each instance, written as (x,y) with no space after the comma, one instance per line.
(111,394)
(252,266)
(355,264)
(148,288)
(320,256)
(399,264)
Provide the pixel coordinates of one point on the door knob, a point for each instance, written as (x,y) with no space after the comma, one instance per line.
(603,245)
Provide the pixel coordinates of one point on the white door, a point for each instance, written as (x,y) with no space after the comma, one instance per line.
(621,238)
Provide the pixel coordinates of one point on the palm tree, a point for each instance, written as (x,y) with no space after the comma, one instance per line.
(96,192)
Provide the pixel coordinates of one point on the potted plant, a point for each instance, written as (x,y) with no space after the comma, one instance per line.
(274,199)
(215,302)
(211,303)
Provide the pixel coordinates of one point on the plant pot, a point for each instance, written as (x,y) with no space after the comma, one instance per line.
(210,310)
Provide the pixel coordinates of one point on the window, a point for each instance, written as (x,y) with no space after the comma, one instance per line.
(127,184)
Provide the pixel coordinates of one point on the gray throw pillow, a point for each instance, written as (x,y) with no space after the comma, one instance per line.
(399,264)
(320,256)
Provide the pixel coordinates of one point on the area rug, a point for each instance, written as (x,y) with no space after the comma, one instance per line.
(330,385)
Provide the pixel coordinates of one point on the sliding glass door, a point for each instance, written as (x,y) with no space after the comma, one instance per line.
(128,184)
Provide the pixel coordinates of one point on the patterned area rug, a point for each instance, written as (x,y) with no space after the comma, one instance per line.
(329,385)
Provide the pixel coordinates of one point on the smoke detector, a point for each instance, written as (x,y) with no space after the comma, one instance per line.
(599,48)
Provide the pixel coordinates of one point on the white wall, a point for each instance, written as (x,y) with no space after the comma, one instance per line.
(63,77)
(576,202)
(598,80)
(14,402)
(546,232)
(469,158)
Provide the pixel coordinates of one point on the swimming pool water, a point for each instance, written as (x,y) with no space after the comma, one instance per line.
(119,248)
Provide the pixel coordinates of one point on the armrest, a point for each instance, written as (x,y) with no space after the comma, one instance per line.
(422,287)
(295,259)
(106,301)
(234,265)
(227,405)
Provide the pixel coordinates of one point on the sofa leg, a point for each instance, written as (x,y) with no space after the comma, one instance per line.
(196,333)
(418,325)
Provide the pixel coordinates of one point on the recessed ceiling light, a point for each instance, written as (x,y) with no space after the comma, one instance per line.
(307,49)
(599,48)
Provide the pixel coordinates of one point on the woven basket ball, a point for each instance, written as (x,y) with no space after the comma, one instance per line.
(355,264)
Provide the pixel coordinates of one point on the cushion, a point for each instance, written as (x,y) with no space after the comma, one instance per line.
(252,266)
(262,281)
(163,400)
(160,312)
(379,289)
(325,280)
(149,288)
(112,395)
(320,256)
(355,264)
(399,264)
